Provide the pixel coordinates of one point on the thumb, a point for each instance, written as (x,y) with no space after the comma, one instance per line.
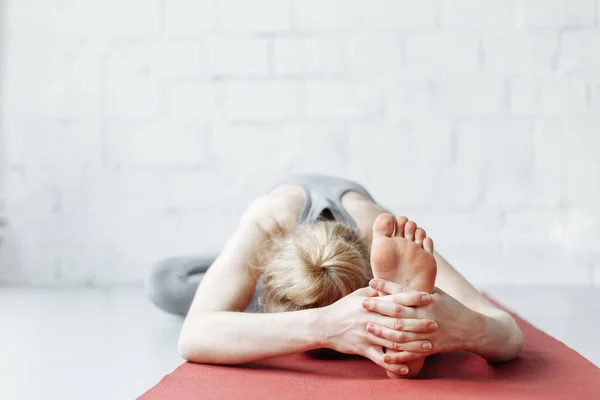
(389,287)
(366,292)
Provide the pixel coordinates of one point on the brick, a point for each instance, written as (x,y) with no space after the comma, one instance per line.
(406,97)
(495,142)
(398,14)
(255,16)
(468,260)
(558,13)
(462,230)
(198,190)
(451,188)
(494,15)
(554,97)
(33,142)
(47,193)
(594,99)
(65,80)
(412,141)
(231,146)
(521,187)
(520,53)
(194,102)
(189,17)
(579,50)
(566,142)
(233,152)
(238,56)
(69,19)
(308,56)
(531,228)
(466,96)
(339,99)
(132,18)
(132,100)
(582,182)
(313,148)
(179,59)
(582,231)
(162,143)
(130,191)
(326,15)
(442,53)
(261,100)
(370,53)
(544,266)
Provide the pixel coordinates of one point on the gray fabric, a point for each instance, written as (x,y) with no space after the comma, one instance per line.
(172,283)
(323,194)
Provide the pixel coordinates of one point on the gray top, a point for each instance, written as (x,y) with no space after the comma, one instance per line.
(323,198)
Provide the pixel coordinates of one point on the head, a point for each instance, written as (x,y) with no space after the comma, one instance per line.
(314,266)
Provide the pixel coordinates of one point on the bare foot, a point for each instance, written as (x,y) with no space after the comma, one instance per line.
(401,252)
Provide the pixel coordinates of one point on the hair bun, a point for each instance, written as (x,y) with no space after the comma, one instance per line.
(314,267)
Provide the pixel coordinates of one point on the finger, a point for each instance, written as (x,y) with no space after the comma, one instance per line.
(378,341)
(388,308)
(410,299)
(420,346)
(388,287)
(401,357)
(409,325)
(388,340)
(375,354)
(398,337)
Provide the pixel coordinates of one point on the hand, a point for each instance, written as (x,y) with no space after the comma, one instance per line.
(456,323)
(345,323)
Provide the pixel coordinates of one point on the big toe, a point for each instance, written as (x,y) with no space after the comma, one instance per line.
(384,225)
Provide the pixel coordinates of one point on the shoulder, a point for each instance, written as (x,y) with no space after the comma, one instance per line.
(277,212)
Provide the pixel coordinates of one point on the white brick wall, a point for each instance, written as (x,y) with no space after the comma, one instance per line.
(135,130)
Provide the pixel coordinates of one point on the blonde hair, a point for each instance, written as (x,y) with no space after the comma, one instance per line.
(314,266)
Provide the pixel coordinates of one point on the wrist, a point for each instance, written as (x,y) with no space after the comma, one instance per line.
(318,328)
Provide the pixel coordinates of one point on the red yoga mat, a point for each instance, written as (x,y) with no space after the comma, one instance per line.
(547,369)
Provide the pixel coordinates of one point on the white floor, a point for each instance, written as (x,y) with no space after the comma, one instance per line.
(113,344)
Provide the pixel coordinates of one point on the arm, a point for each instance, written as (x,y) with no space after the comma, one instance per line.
(234,337)
(216,330)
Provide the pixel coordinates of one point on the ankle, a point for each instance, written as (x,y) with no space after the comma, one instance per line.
(496,337)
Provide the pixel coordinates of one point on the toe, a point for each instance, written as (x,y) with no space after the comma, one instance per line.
(409,230)
(384,225)
(419,236)
(400,224)
(428,245)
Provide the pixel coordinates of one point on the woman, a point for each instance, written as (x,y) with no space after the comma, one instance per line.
(316,242)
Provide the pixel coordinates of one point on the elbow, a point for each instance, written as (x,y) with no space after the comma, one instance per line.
(189,345)
(194,349)
(184,348)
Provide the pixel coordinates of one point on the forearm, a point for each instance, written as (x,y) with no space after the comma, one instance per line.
(233,337)
(497,338)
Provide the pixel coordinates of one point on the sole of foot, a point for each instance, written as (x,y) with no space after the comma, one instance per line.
(401,252)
